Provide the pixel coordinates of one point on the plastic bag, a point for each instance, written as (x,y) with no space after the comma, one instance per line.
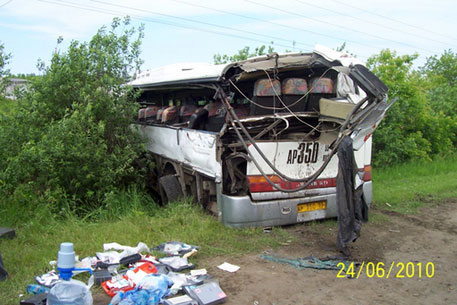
(149,291)
(70,292)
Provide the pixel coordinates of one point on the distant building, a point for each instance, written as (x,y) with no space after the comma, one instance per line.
(13,84)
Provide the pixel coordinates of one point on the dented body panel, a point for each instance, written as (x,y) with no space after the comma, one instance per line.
(194,149)
(203,123)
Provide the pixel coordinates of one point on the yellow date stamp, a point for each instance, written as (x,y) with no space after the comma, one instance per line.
(382,270)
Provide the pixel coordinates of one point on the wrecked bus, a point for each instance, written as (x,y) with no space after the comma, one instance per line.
(255,141)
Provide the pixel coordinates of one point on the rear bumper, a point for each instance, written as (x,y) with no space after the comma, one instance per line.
(241,211)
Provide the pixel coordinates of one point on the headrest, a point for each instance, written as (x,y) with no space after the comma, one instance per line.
(160,112)
(169,114)
(294,86)
(215,108)
(265,87)
(151,111)
(141,114)
(322,85)
(187,110)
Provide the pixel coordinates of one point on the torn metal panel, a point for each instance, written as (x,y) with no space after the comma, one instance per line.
(194,148)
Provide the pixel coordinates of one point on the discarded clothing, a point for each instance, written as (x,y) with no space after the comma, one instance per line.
(175,248)
(115,257)
(48,279)
(308,262)
(176,263)
(351,207)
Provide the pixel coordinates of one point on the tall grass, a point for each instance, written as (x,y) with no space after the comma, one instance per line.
(404,188)
(130,216)
(127,218)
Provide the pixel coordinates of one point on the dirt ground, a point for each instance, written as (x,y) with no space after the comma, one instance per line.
(429,236)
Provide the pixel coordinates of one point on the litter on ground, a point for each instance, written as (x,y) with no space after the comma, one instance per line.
(129,277)
(228,267)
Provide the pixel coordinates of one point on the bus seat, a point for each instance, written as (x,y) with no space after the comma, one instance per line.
(198,119)
(141,114)
(242,110)
(151,113)
(185,112)
(170,115)
(159,113)
(216,116)
(294,89)
(320,87)
(265,94)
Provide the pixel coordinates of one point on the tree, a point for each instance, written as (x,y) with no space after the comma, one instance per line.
(4,73)
(242,54)
(410,130)
(72,137)
(441,74)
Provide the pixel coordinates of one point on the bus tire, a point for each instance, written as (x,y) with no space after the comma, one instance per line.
(170,189)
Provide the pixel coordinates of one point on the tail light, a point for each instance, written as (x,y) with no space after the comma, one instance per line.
(259,184)
(367,173)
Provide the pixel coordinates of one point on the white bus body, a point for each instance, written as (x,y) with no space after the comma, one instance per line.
(294,107)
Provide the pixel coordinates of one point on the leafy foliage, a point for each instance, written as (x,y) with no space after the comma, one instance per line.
(71,137)
(4,73)
(411,129)
(441,73)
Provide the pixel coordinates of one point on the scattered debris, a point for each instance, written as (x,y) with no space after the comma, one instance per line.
(37,299)
(37,289)
(308,262)
(207,294)
(7,233)
(176,263)
(228,267)
(198,272)
(175,248)
(181,300)
(146,280)
(48,279)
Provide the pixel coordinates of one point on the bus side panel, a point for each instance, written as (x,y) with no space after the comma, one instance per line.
(193,148)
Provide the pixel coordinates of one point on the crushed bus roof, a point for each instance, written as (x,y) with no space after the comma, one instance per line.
(189,73)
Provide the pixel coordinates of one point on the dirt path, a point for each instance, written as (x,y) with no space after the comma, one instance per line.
(430,236)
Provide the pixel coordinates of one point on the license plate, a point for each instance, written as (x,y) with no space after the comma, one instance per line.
(311,206)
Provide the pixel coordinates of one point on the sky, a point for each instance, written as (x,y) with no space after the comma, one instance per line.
(178,31)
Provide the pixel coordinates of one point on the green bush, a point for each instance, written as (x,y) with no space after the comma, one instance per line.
(69,143)
(412,129)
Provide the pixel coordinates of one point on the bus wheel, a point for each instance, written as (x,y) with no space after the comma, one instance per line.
(170,189)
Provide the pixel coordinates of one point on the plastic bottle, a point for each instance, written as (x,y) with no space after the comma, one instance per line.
(69,291)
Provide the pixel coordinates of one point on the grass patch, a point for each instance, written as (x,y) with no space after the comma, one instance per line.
(130,217)
(37,243)
(406,187)
(375,217)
